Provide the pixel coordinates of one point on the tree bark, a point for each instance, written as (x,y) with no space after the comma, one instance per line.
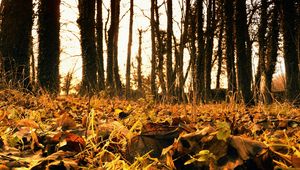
(139,61)
(118,83)
(210,22)
(201,52)
(86,23)
(262,49)
(170,82)
(153,58)
(159,52)
(128,64)
(243,60)
(15,37)
(99,31)
(290,52)
(230,61)
(272,54)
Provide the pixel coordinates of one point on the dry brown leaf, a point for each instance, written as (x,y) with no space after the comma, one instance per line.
(27,123)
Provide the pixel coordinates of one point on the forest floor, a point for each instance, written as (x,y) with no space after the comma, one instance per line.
(80,133)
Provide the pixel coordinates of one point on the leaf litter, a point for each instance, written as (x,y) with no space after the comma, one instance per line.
(78,133)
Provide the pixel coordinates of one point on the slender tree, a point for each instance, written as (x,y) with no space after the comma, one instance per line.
(129,51)
(113,77)
(220,41)
(170,82)
(290,52)
(183,40)
(159,40)
(139,61)
(86,23)
(210,22)
(117,78)
(153,58)
(230,61)
(201,52)
(272,50)
(15,37)
(99,31)
(243,61)
(262,45)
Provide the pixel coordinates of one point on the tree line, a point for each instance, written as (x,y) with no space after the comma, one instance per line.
(215,32)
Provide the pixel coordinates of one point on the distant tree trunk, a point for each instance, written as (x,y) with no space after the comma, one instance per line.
(243,61)
(170,82)
(272,54)
(113,77)
(230,64)
(15,37)
(183,40)
(128,64)
(220,41)
(290,52)
(159,52)
(210,22)
(153,58)
(86,23)
(117,79)
(139,61)
(193,55)
(262,30)
(99,31)
(201,51)
(110,50)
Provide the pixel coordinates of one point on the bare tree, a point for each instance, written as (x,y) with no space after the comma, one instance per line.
(170,82)
(243,61)
(290,52)
(86,23)
(128,64)
(230,61)
(272,50)
(112,71)
(15,37)
(153,58)
(262,45)
(201,51)
(220,41)
(99,31)
(210,27)
(139,61)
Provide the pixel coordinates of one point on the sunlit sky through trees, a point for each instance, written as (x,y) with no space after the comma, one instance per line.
(70,37)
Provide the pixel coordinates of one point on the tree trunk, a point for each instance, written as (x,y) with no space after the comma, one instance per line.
(230,61)
(243,60)
(153,58)
(193,55)
(272,54)
(110,50)
(201,52)
(160,52)
(183,40)
(210,22)
(262,42)
(139,61)
(117,79)
(290,52)
(16,25)
(99,31)
(170,82)
(220,50)
(86,23)
(128,64)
